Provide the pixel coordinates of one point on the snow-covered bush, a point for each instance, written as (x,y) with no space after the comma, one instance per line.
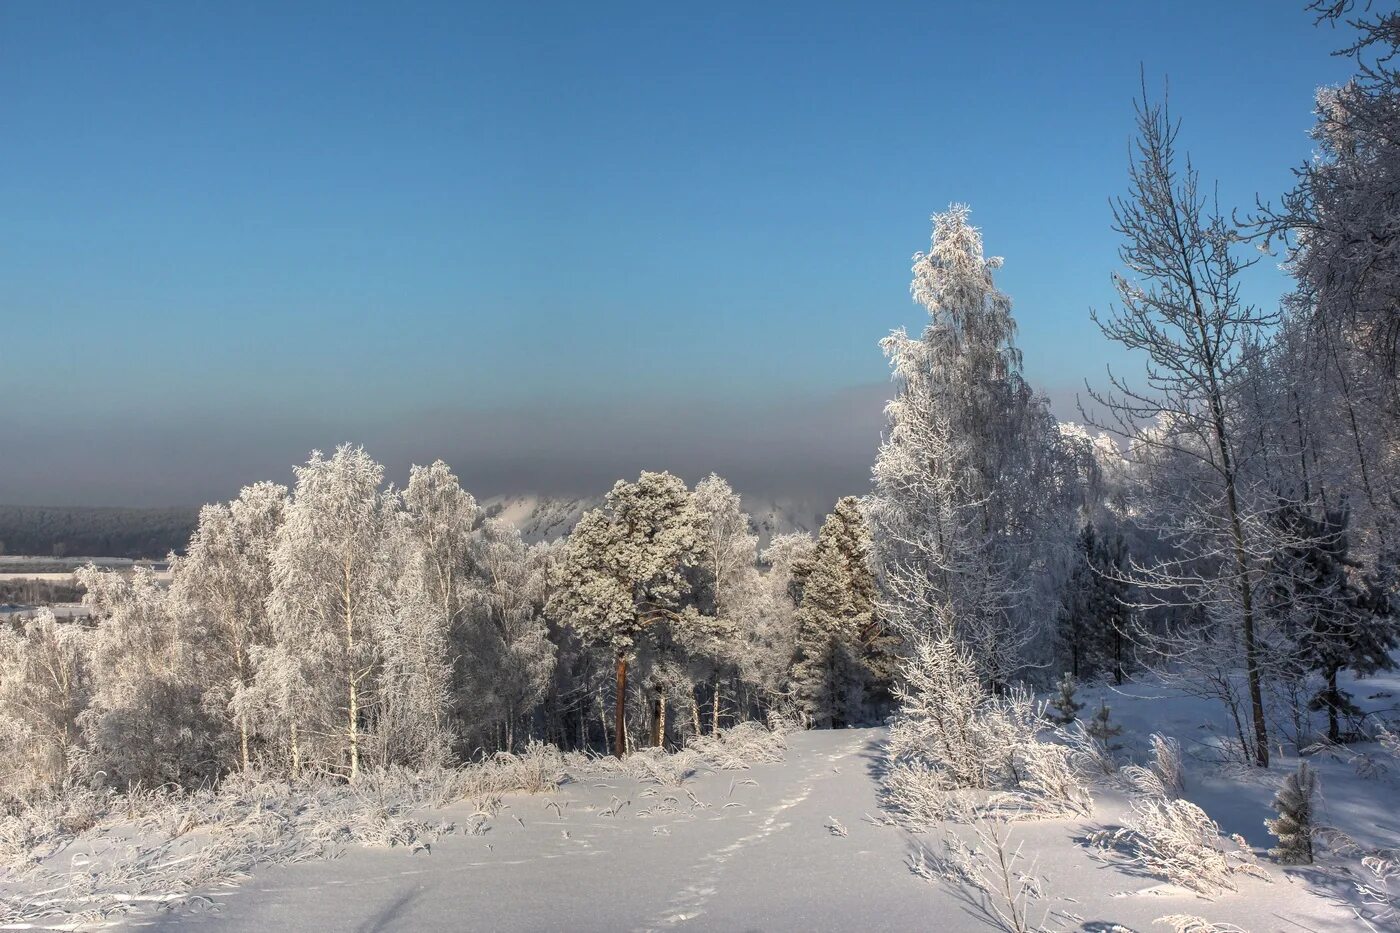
(734,749)
(1162,776)
(1176,841)
(1048,784)
(953,735)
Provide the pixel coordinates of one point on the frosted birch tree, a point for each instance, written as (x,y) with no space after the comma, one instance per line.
(331,575)
(44,688)
(146,722)
(221,586)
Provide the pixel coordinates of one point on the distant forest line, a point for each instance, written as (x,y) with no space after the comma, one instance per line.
(82,531)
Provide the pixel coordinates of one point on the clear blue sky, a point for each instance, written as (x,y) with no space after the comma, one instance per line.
(232,232)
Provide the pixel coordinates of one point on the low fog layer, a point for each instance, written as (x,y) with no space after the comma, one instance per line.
(817,448)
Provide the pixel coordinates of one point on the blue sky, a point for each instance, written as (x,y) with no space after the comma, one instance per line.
(534,238)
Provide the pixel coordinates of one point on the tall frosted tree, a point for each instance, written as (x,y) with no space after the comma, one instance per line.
(331,585)
(221,585)
(728,555)
(625,569)
(1180,307)
(835,618)
(972,486)
(772,644)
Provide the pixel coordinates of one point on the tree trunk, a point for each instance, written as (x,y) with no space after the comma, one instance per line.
(658,719)
(1334,732)
(621,749)
(694,712)
(714,710)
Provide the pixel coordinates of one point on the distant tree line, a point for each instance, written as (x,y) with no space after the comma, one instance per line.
(77,531)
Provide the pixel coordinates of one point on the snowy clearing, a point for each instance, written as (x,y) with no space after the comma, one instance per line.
(800,844)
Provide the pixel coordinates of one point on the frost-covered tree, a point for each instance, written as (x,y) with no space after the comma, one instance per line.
(44,688)
(332,575)
(146,722)
(771,646)
(1341,226)
(1182,309)
(221,586)
(973,487)
(625,570)
(837,614)
(728,556)
(508,608)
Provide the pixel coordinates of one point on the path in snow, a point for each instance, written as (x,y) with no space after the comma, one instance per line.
(737,855)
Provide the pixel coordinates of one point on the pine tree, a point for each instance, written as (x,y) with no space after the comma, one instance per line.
(1296,805)
(1103,731)
(1065,705)
(1338,619)
(627,568)
(1094,618)
(837,612)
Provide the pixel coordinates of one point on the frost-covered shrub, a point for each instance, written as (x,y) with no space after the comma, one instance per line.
(1048,784)
(1162,776)
(1176,841)
(950,722)
(998,881)
(917,791)
(952,735)
(736,748)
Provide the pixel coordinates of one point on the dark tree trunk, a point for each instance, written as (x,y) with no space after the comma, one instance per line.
(621,735)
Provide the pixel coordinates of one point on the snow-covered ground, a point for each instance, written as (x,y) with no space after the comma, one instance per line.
(797,845)
(800,844)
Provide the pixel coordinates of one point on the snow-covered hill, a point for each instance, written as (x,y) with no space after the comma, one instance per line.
(543,518)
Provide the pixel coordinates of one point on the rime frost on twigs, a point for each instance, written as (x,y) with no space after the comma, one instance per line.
(1380,893)
(992,876)
(1162,776)
(1296,805)
(1187,923)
